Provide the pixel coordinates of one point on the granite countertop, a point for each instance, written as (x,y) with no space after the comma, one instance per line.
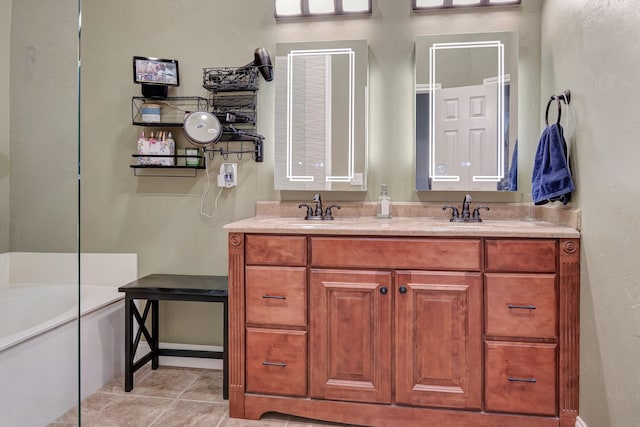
(403,226)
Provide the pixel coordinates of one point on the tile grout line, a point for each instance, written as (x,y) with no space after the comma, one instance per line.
(174,400)
(189,385)
(225,416)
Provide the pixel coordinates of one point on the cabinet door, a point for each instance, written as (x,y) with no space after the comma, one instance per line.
(350,333)
(438,348)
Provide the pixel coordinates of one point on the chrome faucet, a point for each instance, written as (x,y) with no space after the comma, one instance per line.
(466,215)
(318,213)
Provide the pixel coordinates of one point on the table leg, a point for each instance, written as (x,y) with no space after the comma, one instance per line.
(128,337)
(155,344)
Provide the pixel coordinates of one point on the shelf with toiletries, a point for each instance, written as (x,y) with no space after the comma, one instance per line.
(158,150)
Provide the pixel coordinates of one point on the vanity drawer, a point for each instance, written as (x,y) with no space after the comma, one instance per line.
(521,305)
(398,253)
(276,295)
(522,255)
(520,378)
(276,362)
(276,250)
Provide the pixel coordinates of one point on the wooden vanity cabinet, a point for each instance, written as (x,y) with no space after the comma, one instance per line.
(387,331)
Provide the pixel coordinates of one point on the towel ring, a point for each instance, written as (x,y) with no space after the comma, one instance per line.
(566,97)
(546,114)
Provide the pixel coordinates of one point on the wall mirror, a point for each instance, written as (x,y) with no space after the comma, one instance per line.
(466,112)
(321,116)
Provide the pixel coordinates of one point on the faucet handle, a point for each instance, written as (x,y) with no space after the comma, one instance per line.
(309,210)
(454,212)
(476,212)
(327,213)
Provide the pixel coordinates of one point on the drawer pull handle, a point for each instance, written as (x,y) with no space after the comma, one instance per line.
(525,307)
(402,289)
(280,365)
(522,380)
(274,297)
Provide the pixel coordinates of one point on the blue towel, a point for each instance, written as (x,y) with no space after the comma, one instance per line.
(551,178)
(513,169)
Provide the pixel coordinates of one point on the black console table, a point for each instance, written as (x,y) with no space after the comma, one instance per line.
(169,287)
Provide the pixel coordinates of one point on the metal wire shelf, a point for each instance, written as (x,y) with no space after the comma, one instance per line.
(228,79)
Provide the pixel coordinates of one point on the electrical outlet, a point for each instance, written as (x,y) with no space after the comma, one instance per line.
(228,175)
(357,179)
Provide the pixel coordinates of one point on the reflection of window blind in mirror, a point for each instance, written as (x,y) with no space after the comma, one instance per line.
(311,153)
(308,107)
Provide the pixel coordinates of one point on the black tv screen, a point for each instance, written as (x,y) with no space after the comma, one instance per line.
(155,71)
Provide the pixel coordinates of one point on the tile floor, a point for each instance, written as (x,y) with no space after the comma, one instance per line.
(169,397)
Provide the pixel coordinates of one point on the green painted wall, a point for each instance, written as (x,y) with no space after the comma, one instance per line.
(591,47)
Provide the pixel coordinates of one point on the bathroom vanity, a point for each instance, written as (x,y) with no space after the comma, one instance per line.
(408,321)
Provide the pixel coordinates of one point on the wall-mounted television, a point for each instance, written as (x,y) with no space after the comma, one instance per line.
(155,75)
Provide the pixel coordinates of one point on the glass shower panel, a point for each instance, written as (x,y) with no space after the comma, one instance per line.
(39,199)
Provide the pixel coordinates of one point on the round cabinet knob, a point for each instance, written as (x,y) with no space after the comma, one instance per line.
(384,290)
(402,289)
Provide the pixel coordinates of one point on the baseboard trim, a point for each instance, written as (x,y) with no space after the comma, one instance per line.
(580,423)
(185,362)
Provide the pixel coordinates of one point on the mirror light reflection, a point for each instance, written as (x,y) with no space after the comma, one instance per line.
(445,138)
(322,60)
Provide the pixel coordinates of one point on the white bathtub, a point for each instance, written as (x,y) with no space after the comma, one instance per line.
(39,331)
(30,309)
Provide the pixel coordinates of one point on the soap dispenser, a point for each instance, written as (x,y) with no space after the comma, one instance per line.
(384,203)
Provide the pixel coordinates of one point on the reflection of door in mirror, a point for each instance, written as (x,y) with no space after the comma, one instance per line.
(321,116)
(465,144)
(465,140)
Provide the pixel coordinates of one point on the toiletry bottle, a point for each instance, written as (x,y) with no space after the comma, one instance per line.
(142,141)
(384,203)
(172,148)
